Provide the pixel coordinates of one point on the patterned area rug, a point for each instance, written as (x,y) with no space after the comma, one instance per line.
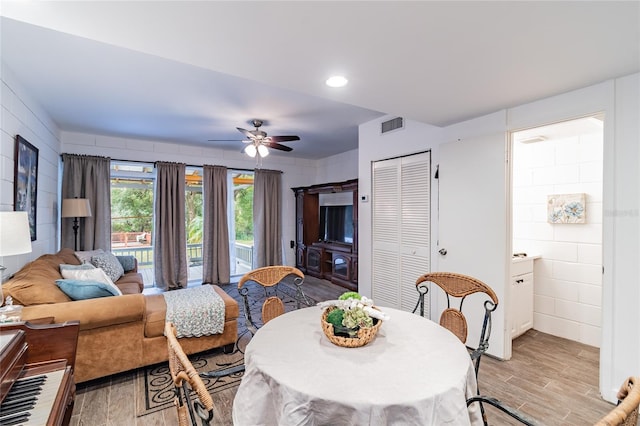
(154,387)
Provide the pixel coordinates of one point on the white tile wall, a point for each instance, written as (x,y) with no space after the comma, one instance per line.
(568,277)
(590,294)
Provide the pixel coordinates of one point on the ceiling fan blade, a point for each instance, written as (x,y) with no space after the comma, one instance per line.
(284,138)
(275,145)
(246,132)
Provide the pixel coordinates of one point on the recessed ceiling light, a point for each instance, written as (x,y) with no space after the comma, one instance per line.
(337,81)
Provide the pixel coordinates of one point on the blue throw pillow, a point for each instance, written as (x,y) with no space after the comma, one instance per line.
(84,289)
(128,262)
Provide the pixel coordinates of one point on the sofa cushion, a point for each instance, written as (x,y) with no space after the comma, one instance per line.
(132,281)
(85,289)
(93,313)
(156,310)
(154,317)
(95,274)
(128,287)
(109,263)
(68,256)
(35,284)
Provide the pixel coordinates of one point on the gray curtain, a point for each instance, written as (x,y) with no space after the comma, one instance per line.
(86,176)
(216,268)
(267,218)
(170,246)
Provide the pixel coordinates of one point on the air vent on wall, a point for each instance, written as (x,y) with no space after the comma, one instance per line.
(393,124)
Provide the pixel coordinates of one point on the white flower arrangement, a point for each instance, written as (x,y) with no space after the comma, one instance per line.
(364,303)
(353,311)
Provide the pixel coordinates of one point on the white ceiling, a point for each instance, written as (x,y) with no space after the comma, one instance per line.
(192,71)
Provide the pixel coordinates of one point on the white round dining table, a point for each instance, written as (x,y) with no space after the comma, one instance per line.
(414,372)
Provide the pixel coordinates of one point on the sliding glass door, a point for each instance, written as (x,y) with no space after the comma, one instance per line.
(132,189)
(132,214)
(240,218)
(194,221)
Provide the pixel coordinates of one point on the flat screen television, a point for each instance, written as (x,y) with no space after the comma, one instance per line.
(336,224)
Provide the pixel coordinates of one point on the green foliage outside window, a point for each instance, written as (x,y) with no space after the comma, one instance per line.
(244,213)
(193,211)
(133,209)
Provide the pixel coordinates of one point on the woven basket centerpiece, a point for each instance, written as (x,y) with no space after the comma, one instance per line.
(364,334)
(351,321)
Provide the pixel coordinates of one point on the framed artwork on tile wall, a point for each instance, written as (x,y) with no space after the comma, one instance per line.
(25,181)
(566,208)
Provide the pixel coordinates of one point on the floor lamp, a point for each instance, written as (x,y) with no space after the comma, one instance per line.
(15,237)
(76,208)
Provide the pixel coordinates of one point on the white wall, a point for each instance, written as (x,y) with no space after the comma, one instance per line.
(373,146)
(338,168)
(296,171)
(620,351)
(23,116)
(568,276)
(620,101)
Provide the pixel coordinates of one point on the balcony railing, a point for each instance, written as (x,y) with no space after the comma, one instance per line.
(144,255)
(244,257)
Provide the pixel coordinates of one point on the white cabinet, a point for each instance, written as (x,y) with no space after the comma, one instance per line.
(521,295)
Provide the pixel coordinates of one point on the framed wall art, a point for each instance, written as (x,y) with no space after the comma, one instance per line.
(566,208)
(25,181)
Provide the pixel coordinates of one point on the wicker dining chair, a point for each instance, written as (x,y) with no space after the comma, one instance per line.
(185,380)
(511,412)
(271,308)
(626,412)
(623,414)
(459,286)
(268,278)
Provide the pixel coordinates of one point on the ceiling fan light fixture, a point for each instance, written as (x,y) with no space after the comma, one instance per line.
(337,81)
(263,151)
(250,150)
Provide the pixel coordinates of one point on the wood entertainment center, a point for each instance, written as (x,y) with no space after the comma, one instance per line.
(330,260)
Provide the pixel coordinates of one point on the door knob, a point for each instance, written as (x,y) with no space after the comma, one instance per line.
(442,251)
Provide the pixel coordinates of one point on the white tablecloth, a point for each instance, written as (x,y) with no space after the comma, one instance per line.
(413,373)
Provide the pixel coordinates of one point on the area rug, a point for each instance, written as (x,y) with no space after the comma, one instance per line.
(154,387)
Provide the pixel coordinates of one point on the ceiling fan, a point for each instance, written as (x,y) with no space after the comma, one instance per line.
(259,142)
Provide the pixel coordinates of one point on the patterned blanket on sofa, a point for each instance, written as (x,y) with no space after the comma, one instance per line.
(195,311)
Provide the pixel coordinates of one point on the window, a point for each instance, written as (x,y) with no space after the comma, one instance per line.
(132,213)
(194,221)
(132,204)
(240,214)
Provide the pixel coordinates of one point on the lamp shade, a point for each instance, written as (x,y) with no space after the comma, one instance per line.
(76,207)
(15,236)
(262,150)
(251,150)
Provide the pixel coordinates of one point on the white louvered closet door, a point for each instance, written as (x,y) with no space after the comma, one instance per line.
(401,229)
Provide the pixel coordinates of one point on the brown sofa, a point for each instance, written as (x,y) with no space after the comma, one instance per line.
(117,333)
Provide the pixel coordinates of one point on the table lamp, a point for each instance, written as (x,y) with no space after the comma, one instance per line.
(15,237)
(76,208)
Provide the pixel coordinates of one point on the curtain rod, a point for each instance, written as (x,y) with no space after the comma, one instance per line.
(153,162)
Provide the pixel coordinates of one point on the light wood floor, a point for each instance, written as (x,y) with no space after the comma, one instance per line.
(552,379)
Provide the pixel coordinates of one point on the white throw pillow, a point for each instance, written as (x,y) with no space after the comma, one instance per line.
(96,274)
(85,256)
